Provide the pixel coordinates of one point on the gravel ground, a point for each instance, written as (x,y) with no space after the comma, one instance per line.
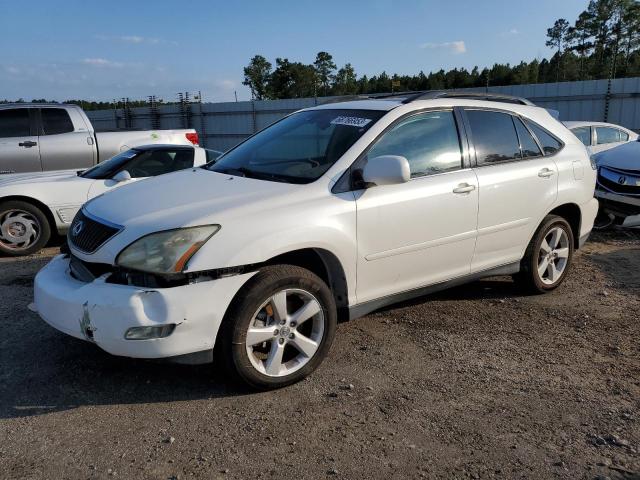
(475,382)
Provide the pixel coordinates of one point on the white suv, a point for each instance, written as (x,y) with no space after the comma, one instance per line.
(329,213)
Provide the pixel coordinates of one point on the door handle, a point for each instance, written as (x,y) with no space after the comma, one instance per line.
(546,173)
(464,188)
(27,144)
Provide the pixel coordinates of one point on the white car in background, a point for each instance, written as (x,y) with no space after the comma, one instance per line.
(33,205)
(600,136)
(331,212)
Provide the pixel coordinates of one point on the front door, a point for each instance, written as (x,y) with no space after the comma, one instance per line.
(424,231)
(19,150)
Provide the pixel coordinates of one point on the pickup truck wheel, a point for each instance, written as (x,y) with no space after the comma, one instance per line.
(280,328)
(24,228)
(548,256)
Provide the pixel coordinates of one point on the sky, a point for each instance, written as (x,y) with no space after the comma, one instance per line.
(68,49)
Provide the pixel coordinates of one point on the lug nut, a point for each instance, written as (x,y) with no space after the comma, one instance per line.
(276,331)
(291,335)
(282,322)
(293,324)
(281,341)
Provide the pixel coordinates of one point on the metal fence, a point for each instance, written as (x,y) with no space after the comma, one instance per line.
(223,125)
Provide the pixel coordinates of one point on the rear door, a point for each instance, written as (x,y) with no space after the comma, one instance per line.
(62,145)
(517,184)
(19,151)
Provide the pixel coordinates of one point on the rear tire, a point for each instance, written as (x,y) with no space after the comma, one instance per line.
(24,228)
(548,256)
(279,328)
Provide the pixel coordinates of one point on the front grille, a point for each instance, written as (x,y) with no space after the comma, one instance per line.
(88,234)
(619,181)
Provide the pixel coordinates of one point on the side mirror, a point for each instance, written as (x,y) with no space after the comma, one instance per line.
(121,176)
(386,170)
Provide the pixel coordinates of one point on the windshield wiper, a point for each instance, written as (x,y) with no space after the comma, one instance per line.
(248,173)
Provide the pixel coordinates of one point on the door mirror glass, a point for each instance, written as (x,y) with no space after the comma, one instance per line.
(122,176)
(386,170)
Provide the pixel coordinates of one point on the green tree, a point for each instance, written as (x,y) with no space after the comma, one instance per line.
(324,70)
(557,37)
(346,81)
(257,76)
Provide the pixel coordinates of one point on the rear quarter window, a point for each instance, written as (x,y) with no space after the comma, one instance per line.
(548,142)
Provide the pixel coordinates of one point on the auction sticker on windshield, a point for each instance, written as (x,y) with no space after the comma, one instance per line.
(351,121)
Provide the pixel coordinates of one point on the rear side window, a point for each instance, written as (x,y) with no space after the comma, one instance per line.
(429,141)
(606,135)
(624,136)
(494,137)
(158,162)
(55,121)
(583,134)
(549,143)
(14,123)
(528,145)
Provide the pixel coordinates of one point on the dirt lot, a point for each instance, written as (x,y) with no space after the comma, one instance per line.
(477,382)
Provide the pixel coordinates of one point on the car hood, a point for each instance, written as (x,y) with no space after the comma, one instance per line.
(187,198)
(37,177)
(624,157)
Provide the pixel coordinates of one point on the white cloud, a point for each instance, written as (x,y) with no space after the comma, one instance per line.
(226,84)
(510,33)
(134,39)
(12,70)
(456,47)
(101,62)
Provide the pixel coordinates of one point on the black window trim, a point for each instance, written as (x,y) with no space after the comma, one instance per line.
(346,181)
(474,159)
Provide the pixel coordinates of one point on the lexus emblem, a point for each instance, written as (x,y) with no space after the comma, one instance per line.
(77,228)
(622,180)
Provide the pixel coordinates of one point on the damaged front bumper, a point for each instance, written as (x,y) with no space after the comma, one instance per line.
(103,312)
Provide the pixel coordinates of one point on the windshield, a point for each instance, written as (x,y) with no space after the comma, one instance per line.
(299,148)
(109,168)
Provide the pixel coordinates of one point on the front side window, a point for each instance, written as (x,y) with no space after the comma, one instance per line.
(14,123)
(298,149)
(142,163)
(494,137)
(549,143)
(429,141)
(606,135)
(624,136)
(56,121)
(583,134)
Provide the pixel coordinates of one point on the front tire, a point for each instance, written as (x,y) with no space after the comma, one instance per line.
(279,328)
(547,259)
(24,228)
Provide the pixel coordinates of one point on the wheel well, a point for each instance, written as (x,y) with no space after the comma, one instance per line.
(324,264)
(571,213)
(46,210)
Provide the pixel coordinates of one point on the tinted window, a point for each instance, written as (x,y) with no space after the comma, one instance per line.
(55,120)
(624,136)
(429,141)
(549,143)
(139,164)
(494,136)
(14,123)
(607,135)
(299,148)
(528,145)
(583,134)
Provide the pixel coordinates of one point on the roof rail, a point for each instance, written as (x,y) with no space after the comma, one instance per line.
(488,96)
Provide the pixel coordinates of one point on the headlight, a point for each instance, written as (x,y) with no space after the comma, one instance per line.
(165,252)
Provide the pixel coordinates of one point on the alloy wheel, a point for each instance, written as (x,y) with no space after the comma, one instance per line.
(19,229)
(285,332)
(553,256)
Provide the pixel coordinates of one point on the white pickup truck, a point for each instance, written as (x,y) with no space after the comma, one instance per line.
(44,137)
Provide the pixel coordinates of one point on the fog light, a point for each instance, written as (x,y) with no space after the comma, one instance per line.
(146,333)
